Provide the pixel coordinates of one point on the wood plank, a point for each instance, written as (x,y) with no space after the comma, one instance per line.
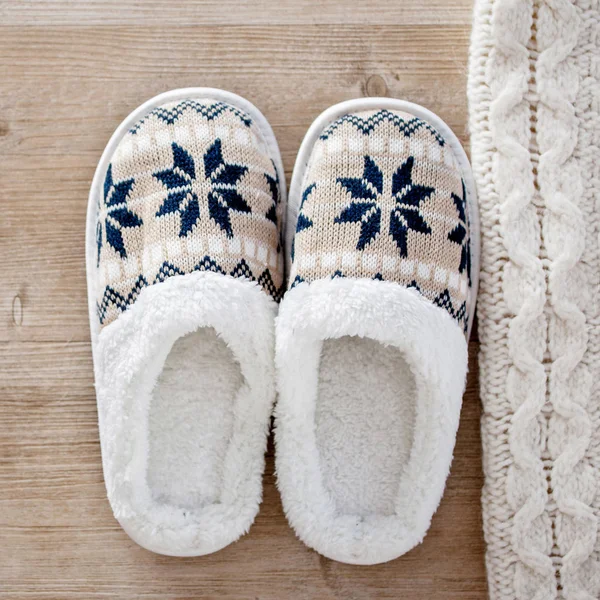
(231,12)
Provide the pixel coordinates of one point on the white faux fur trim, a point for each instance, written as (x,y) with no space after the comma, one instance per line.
(129,356)
(435,349)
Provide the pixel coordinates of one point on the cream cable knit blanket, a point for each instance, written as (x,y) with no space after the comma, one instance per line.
(534,92)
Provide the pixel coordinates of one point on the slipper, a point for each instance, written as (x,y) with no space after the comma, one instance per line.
(371,337)
(184,270)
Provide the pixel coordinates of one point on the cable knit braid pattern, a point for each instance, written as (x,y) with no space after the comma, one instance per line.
(383,198)
(534,95)
(191,187)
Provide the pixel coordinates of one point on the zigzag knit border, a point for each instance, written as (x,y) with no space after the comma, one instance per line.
(111,297)
(208,111)
(366,126)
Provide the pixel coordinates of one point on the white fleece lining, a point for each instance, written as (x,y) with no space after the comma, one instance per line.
(129,358)
(197,388)
(359,471)
(434,348)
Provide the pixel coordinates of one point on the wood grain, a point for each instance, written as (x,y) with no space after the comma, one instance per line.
(231,12)
(70,72)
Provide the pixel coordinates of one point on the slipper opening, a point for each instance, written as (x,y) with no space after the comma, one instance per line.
(190,420)
(370,378)
(364,421)
(185,387)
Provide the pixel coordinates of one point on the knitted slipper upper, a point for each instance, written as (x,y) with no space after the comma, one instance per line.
(191,187)
(383,198)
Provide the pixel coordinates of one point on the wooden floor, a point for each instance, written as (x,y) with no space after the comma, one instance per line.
(70,71)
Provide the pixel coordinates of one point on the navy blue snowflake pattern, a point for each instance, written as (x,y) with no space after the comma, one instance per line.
(364,191)
(459,235)
(273,183)
(303,221)
(223,196)
(118,215)
(180,199)
(406,215)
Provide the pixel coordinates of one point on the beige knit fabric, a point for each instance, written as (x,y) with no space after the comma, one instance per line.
(534,92)
(191,187)
(383,198)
